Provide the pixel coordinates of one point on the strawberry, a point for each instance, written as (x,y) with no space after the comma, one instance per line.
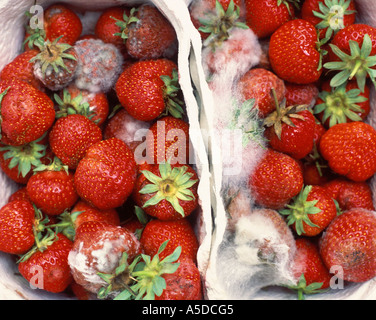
(99,251)
(25,112)
(266,16)
(180,233)
(311,211)
(290,129)
(152,37)
(126,128)
(351,53)
(55,66)
(22,69)
(330,16)
(71,136)
(148,88)
(309,269)
(51,188)
(257,83)
(183,284)
(349,243)
(275,180)
(17,225)
(19,194)
(47,266)
(350,150)
(72,100)
(293,52)
(105,176)
(342,104)
(168,140)
(167,192)
(301,93)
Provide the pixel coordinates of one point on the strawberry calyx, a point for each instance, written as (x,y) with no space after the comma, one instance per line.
(125,23)
(303,289)
(55,165)
(52,55)
(219,23)
(295,3)
(66,225)
(25,156)
(173,185)
(299,210)
(36,36)
(283,114)
(171,91)
(77,105)
(332,13)
(357,65)
(340,105)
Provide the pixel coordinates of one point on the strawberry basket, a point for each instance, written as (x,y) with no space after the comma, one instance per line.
(238,268)
(12,285)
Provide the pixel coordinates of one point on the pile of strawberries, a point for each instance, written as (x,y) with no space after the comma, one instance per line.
(101,210)
(311,90)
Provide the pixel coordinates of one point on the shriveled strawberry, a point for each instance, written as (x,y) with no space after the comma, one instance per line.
(22,69)
(308,269)
(167,192)
(183,284)
(350,149)
(349,243)
(100,251)
(71,136)
(266,16)
(105,176)
(72,100)
(168,140)
(257,83)
(293,53)
(290,129)
(276,179)
(26,113)
(152,37)
(301,94)
(311,211)
(352,55)
(178,232)
(342,104)
(47,267)
(330,16)
(52,189)
(148,88)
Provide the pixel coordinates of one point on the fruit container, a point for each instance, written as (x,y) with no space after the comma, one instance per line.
(235,270)
(12,285)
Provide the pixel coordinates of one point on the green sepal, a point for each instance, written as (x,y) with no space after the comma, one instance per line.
(171,91)
(55,165)
(302,288)
(124,24)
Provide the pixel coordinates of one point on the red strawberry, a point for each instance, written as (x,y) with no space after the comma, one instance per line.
(309,269)
(17,221)
(22,69)
(350,149)
(52,189)
(349,243)
(168,140)
(257,84)
(266,16)
(345,103)
(19,194)
(47,267)
(152,37)
(178,232)
(352,52)
(99,251)
(72,100)
(301,93)
(311,211)
(105,176)
(290,129)
(167,192)
(276,179)
(293,54)
(330,16)
(183,284)
(26,113)
(147,88)
(71,136)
